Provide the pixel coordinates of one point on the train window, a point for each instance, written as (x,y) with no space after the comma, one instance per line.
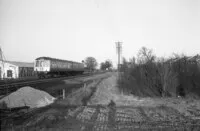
(0,72)
(52,63)
(67,65)
(40,63)
(45,63)
(61,64)
(37,63)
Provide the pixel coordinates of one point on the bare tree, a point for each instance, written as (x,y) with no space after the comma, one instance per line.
(132,61)
(124,65)
(145,55)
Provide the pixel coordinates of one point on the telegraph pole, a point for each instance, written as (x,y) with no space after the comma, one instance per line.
(1,54)
(119,51)
(2,63)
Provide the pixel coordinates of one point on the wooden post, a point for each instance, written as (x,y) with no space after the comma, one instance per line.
(85,92)
(63,93)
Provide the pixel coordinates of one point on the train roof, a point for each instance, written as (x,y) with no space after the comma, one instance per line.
(49,58)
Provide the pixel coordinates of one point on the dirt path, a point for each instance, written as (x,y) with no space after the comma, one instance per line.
(107,90)
(124,113)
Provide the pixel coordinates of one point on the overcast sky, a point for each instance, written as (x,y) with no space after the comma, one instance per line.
(75,29)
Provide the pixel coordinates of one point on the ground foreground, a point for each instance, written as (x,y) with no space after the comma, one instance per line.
(107,109)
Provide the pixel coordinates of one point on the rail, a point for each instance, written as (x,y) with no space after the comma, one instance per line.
(7,88)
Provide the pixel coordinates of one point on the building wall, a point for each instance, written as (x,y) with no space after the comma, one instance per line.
(26,72)
(6,67)
(16,71)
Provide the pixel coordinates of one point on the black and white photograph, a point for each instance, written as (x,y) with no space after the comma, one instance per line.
(100,65)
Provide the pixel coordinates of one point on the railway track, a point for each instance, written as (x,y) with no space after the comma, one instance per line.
(7,88)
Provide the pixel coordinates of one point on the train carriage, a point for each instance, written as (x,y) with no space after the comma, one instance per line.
(48,67)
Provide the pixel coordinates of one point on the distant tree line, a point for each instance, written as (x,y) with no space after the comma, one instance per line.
(107,65)
(91,64)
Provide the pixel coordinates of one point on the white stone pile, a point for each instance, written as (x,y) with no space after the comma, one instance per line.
(27,96)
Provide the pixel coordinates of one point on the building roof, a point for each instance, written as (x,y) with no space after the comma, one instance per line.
(21,64)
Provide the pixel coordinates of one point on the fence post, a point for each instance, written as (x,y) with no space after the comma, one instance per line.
(63,93)
(85,92)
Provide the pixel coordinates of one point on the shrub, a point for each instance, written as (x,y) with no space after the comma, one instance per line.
(171,77)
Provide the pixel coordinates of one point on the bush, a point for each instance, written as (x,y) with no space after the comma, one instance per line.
(173,77)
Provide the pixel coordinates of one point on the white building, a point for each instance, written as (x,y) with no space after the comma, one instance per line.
(11,69)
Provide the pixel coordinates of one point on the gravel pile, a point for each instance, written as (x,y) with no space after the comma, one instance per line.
(27,96)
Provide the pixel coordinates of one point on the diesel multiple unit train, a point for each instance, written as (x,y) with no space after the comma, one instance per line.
(51,67)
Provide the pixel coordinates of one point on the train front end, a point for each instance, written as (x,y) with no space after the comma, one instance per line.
(42,67)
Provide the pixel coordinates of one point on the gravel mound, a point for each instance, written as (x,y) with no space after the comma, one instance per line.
(27,96)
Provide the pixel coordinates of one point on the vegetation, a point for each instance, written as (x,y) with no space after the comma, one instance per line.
(91,63)
(106,65)
(178,75)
